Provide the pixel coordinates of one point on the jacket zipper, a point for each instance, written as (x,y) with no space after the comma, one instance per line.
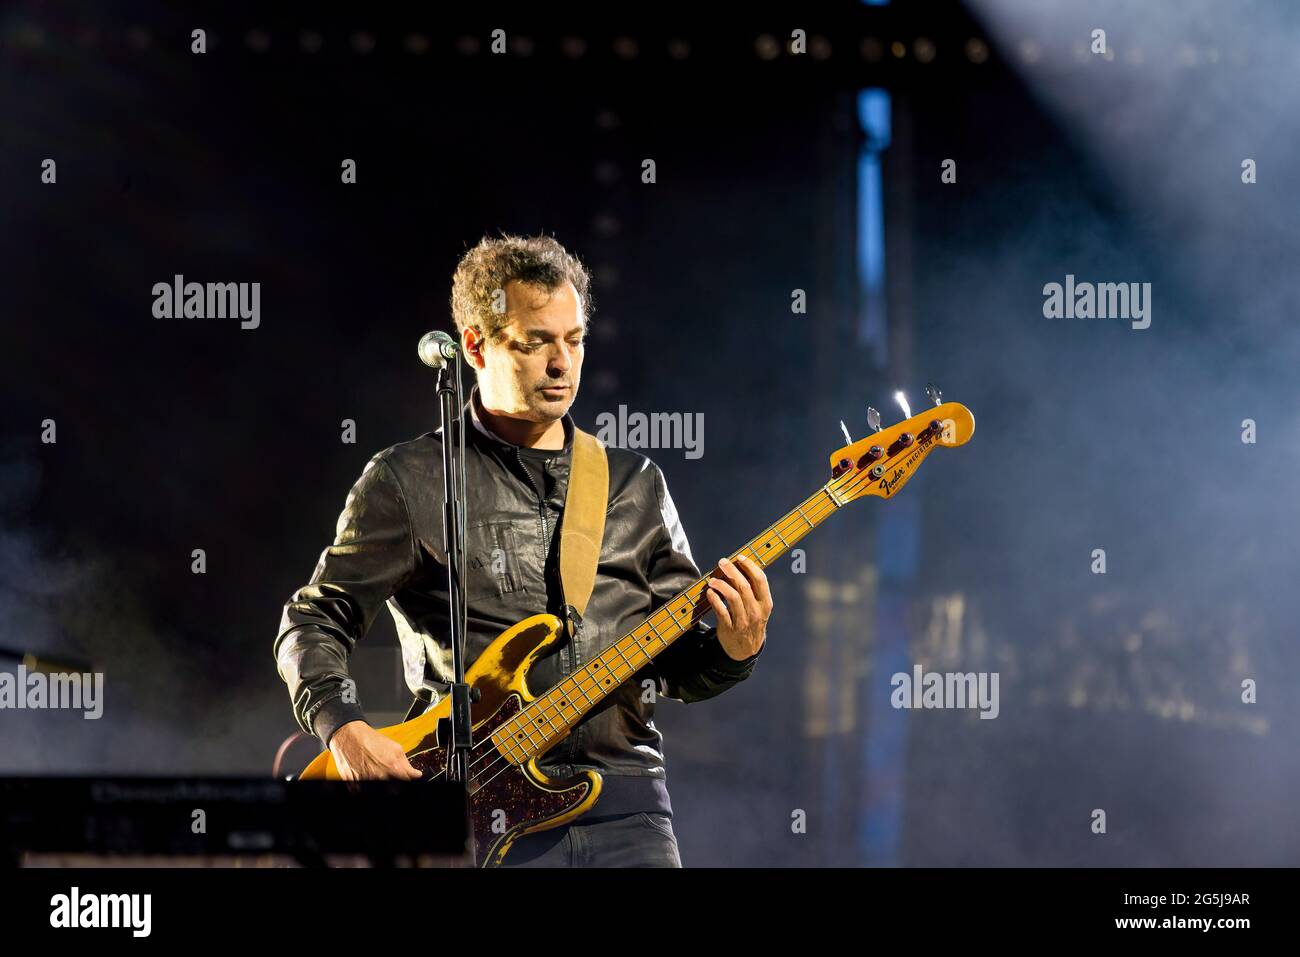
(541,509)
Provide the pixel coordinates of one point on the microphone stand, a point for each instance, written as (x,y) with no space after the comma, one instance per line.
(452,410)
(439,350)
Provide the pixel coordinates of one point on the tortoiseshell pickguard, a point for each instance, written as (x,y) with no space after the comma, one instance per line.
(507,800)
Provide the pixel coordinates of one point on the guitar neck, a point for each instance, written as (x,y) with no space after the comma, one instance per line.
(549,718)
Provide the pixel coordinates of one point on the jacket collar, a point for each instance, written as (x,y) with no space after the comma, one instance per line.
(479,426)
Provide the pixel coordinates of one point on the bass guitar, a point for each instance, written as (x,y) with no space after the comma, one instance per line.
(509,795)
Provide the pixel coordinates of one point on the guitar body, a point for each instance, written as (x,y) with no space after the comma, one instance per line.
(519,798)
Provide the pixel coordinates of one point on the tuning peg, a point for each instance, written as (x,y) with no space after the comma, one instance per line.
(873,419)
(935,395)
(902,401)
(847,438)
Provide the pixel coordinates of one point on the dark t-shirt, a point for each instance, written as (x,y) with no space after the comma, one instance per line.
(620,793)
(535,462)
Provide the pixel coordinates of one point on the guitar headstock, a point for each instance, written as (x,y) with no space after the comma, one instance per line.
(885,461)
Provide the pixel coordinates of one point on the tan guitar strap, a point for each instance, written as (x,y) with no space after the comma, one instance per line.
(582,527)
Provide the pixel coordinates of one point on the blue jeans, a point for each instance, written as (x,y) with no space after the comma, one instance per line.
(630,840)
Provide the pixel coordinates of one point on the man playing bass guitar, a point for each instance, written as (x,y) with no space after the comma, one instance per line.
(521,308)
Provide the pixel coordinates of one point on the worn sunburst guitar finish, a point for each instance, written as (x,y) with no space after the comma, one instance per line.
(513,729)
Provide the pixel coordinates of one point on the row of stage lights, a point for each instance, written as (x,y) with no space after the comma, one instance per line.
(767,46)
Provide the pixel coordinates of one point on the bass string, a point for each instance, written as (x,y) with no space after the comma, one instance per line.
(542,706)
(822,510)
(698,612)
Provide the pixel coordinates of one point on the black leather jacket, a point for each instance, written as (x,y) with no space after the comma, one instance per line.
(389,547)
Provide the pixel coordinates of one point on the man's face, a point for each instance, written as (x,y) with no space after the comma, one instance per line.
(534,371)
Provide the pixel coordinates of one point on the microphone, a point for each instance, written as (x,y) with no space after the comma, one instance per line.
(436,348)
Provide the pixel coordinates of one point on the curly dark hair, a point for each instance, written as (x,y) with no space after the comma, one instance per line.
(537,260)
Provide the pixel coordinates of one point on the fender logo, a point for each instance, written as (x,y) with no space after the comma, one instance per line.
(892,482)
